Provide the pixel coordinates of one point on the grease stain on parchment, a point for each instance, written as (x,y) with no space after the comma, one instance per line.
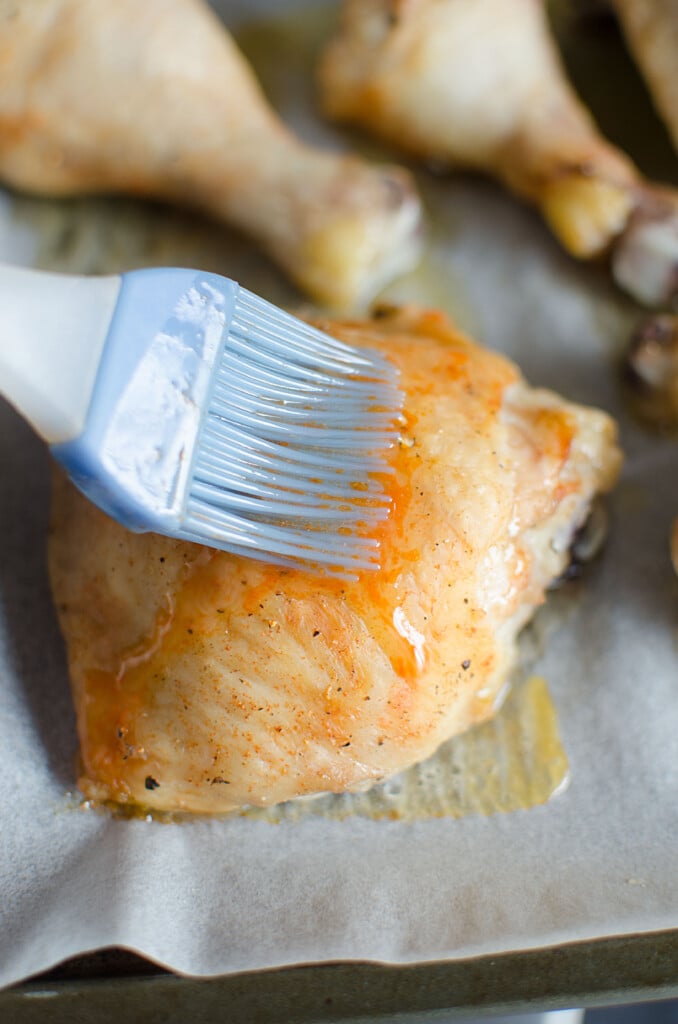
(513,762)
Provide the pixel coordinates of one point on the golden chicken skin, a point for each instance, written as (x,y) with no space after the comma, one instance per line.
(206,682)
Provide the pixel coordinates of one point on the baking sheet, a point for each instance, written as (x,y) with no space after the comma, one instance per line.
(212,897)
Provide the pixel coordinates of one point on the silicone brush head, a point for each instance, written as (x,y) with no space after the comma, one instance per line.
(228,422)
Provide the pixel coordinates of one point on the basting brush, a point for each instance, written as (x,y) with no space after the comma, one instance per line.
(183,404)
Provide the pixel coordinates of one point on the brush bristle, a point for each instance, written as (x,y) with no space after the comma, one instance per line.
(293,445)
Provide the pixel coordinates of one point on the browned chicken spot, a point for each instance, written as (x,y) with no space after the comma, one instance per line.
(154,99)
(205,682)
(479,84)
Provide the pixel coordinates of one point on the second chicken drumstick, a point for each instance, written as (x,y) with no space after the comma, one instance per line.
(479,84)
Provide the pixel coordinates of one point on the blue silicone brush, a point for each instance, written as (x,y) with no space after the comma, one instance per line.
(183,404)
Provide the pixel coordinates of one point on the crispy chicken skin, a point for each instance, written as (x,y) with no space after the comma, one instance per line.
(154,99)
(651,28)
(479,84)
(204,682)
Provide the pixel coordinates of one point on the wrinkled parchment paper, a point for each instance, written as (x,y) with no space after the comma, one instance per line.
(212,897)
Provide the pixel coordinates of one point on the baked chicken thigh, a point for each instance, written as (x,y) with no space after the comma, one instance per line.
(479,84)
(205,682)
(154,98)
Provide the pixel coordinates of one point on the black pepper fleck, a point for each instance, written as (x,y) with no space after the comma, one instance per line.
(151,783)
(466,664)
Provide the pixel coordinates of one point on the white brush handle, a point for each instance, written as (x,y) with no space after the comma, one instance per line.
(52,332)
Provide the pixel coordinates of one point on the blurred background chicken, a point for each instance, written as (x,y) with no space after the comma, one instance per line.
(479,84)
(155,99)
(651,29)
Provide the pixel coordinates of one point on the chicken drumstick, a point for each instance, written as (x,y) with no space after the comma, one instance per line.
(155,99)
(651,28)
(479,84)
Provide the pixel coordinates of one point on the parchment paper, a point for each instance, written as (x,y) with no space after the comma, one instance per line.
(214,897)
